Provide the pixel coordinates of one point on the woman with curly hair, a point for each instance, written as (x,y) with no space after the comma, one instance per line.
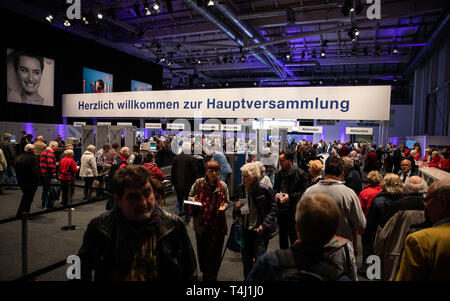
(393,190)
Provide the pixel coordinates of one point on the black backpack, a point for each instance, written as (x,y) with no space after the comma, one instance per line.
(321,268)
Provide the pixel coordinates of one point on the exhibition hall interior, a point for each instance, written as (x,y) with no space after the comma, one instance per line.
(225,140)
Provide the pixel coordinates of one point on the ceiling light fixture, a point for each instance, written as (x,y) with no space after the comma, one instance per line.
(100,16)
(395,50)
(66,23)
(323,54)
(49,18)
(210,3)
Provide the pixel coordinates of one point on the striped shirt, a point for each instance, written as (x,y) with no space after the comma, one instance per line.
(48,162)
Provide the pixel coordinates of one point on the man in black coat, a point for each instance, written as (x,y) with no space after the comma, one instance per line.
(184,173)
(352,178)
(137,241)
(28,174)
(290,183)
(407,170)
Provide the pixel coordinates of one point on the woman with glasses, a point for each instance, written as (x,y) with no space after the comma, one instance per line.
(209,221)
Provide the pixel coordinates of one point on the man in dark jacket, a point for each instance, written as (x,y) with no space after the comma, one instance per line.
(290,183)
(138,240)
(184,173)
(352,178)
(258,211)
(28,173)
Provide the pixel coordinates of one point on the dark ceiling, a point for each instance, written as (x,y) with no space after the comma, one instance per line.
(257,43)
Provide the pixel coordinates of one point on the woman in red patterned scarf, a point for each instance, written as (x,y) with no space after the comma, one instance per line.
(210,225)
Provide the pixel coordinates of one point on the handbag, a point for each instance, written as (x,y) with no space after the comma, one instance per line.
(235,241)
(54,190)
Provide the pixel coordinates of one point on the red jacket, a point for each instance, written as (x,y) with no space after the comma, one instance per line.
(67,167)
(366,197)
(155,171)
(435,161)
(445,165)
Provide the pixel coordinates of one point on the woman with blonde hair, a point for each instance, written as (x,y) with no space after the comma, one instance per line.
(315,171)
(393,190)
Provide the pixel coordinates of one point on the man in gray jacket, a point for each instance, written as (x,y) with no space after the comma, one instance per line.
(352,216)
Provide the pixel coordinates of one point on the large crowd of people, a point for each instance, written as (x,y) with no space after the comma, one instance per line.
(317,207)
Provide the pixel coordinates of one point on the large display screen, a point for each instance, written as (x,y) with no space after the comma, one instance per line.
(96,81)
(30,78)
(140,86)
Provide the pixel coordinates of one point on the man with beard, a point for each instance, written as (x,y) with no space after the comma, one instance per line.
(138,240)
(290,183)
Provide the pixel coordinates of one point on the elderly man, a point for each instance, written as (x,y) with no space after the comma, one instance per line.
(137,241)
(120,161)
(101,157)
(10,155)
(317,219)
(407,170)
(47,164)
(27,169)
(40,145)
(352,216)
(396,224)
(426,255)
(351,176)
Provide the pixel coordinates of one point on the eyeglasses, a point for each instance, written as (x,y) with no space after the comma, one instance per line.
(213,170)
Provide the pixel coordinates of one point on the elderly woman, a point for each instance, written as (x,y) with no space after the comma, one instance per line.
(257,210)
(393,190)
(315,171)
(88,170)
(210,225)
(67,167)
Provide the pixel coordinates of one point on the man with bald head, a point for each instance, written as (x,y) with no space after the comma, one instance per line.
(407,170)
(119,162)
(426,255)
(396,225)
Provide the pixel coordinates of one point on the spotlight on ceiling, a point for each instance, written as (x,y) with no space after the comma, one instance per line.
(210,3)
(49,18)
(66,23)
(355,31)
(156,6)
(395,50)
(323,54)
(100,16)
(288,57)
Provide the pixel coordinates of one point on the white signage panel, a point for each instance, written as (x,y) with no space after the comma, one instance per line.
(209,127)
(79,123)
(175,126)
(335,103)
(231,127)
(156,126)
(103,123)
(310,129)
(358,131)
(125,123)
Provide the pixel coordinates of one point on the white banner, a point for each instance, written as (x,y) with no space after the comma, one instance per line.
(310,129)
(358,131)
(103,123)
(125,123)
(335,103)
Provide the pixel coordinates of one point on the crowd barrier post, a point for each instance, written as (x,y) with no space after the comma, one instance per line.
(69,226)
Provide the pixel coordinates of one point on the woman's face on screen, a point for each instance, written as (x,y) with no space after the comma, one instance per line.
(29,74)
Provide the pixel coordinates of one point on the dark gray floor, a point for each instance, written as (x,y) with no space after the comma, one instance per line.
(48,244)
